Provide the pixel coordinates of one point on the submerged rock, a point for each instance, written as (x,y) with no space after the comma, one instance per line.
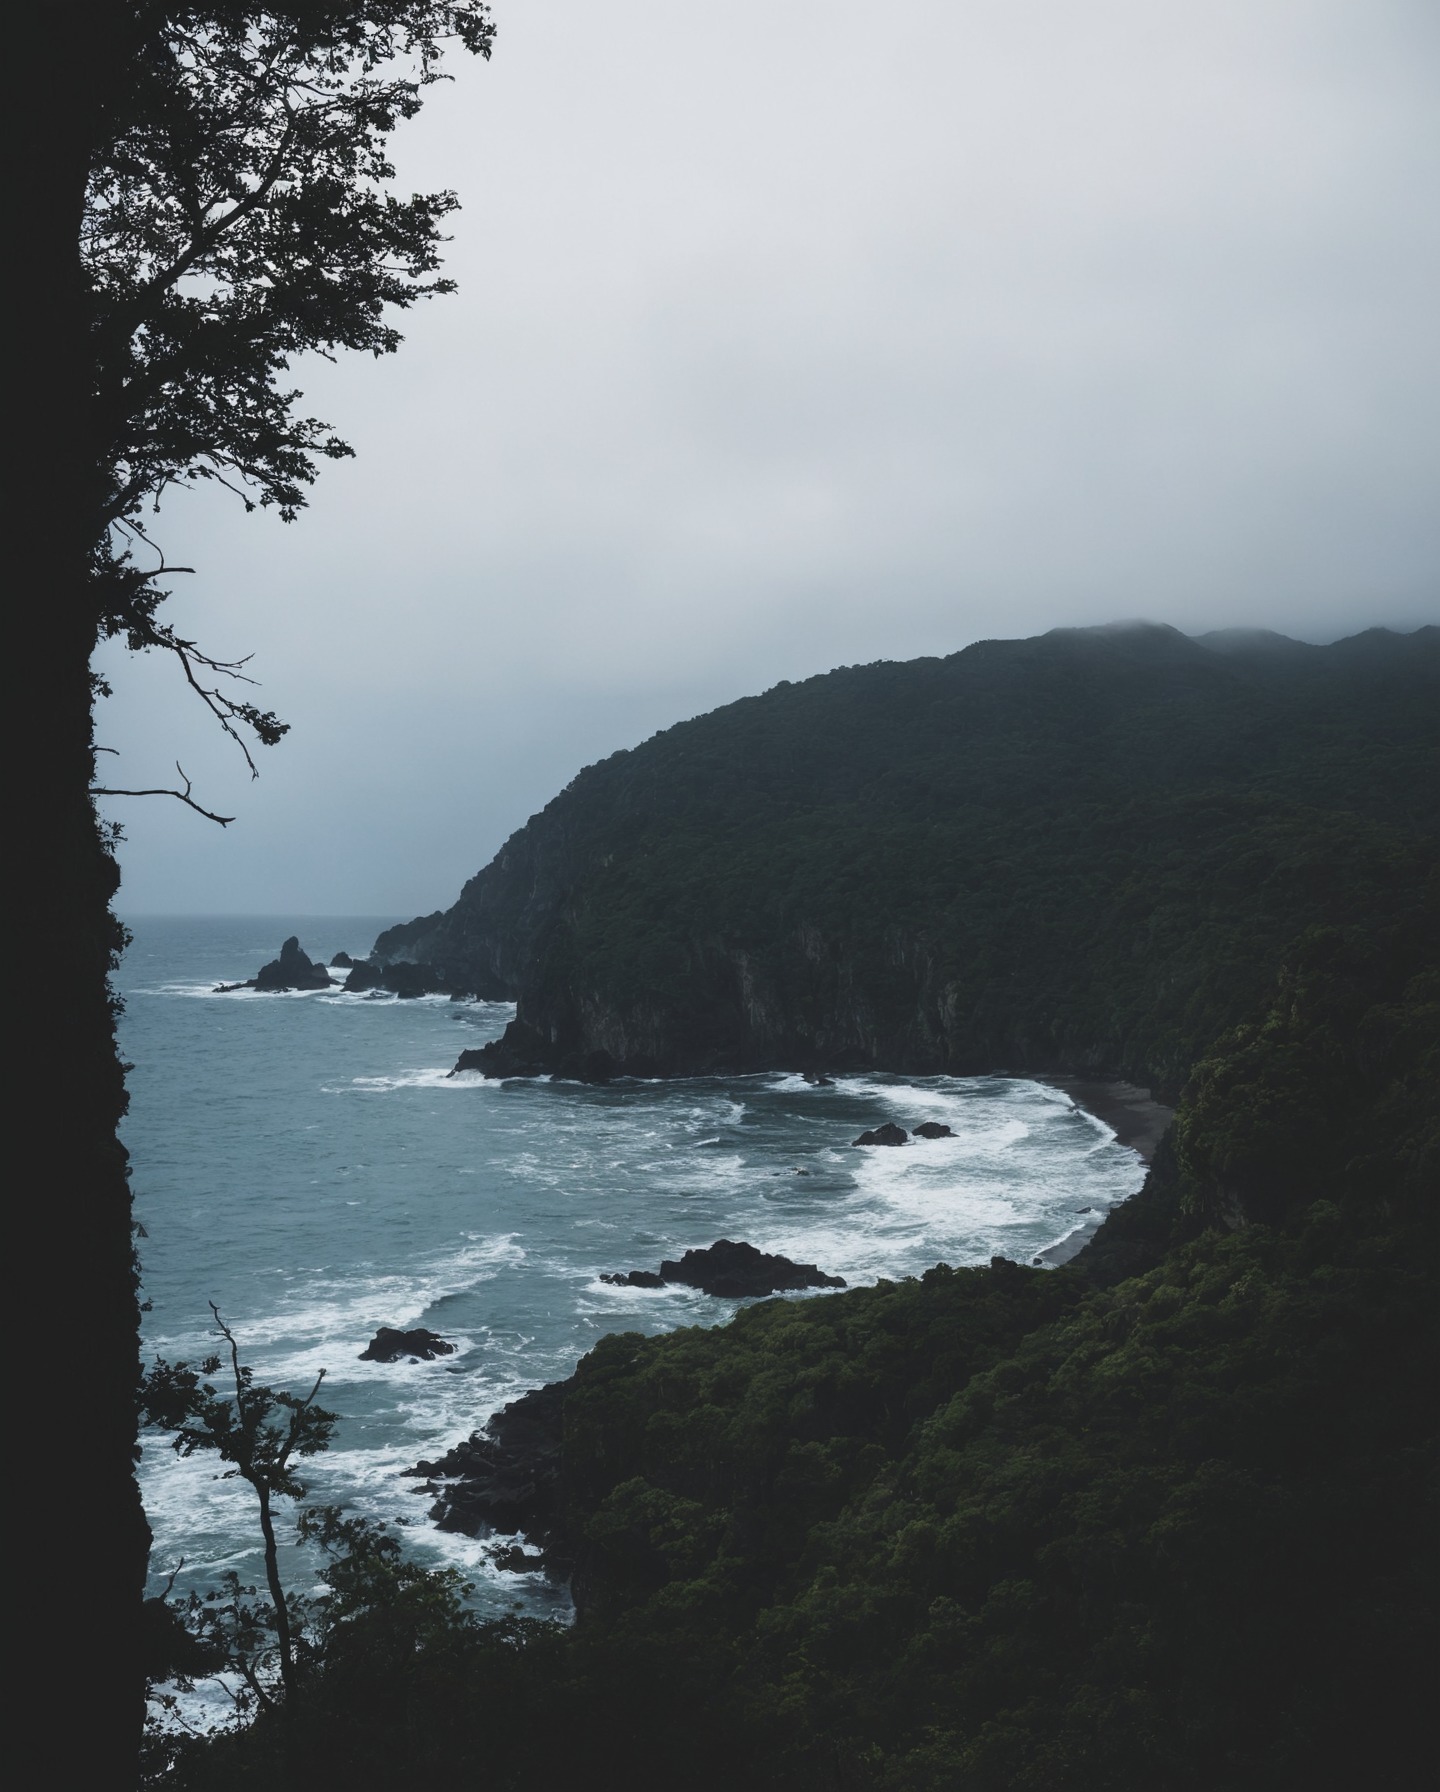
(389,1346)
(888,1134)
(932,1129)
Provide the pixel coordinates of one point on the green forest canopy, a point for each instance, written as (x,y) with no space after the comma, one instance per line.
(1162,1518)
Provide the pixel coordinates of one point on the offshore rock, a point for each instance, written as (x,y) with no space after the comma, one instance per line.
(737,1271)
(291,970)
(342,961)
(419,1345)
(932,1129)
(636,1278)
(888,1134)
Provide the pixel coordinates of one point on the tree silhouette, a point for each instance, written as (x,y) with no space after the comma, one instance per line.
(256,1430)
(199,196)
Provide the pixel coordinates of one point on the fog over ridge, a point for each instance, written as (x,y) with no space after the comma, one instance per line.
(792,336)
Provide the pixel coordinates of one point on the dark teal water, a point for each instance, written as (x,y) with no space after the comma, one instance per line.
(305,1162)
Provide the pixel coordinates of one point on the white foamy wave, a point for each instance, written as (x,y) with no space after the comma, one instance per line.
(312,1317)
(429,1077)
(224,993)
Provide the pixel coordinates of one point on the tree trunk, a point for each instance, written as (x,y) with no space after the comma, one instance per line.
(83,1565)
(277,1590)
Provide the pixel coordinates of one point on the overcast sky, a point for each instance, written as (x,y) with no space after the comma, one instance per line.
(800,333)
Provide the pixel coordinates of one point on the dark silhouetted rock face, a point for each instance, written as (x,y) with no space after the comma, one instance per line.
(888,1134)
(508,1475)
(363,976)
(342,961)
(410,980)
(636,1278)
(522,1051)
(292,970)
(513,1559)
(400,979)
(932,1129)
(389,1346)
(738,1271)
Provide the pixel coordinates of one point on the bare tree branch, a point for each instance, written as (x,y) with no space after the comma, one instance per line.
(182,796)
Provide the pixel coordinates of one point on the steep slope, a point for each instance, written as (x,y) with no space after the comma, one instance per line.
(1085,851)
(1162,1518)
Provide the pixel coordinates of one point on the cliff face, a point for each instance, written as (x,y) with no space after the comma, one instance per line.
(1086,851)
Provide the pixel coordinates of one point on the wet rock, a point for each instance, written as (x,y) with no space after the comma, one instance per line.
(888,1134)
(408,981)
(515,1559)
(522,1051)
(341,961)
(636,1278)
(402,979)
(737,1271)
(419,1346)
(507,1476)
(291,970)
(932,1129)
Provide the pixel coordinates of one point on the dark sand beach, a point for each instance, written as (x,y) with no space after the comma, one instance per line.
(1138,1120)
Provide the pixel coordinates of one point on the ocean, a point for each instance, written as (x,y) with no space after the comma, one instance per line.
(307,1163)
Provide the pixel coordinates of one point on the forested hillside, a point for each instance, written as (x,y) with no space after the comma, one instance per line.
(1086,851)
(1158,1521)
(1161,1518)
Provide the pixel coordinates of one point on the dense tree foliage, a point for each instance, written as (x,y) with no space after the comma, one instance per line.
(1162,1518)
(1085,851)
(240,217)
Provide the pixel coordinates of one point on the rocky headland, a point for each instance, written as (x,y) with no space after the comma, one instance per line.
(1009,860)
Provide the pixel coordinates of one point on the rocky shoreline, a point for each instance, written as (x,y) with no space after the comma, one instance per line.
(295,970)
(505,1478)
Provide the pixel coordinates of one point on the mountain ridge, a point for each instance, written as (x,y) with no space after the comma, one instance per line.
(995,860)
